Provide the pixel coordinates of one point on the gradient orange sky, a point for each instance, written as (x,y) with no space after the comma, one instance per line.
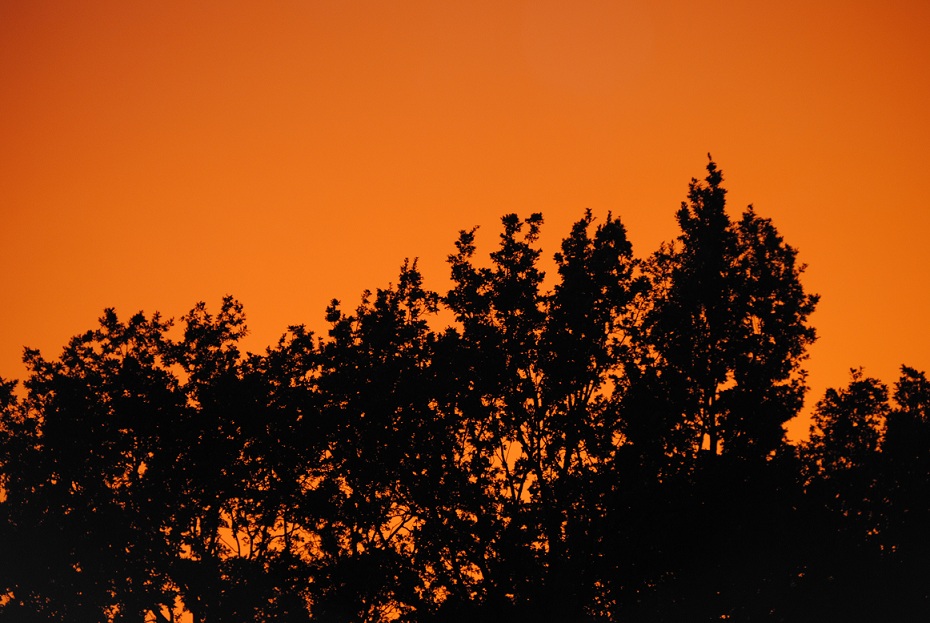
(153,154)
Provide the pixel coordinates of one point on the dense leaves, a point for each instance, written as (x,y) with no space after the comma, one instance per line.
(602,443)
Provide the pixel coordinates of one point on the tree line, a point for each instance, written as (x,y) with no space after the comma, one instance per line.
(611,448)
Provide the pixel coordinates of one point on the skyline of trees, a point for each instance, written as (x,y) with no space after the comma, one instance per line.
(609,449)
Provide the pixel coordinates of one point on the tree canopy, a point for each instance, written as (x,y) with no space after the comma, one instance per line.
(605,443)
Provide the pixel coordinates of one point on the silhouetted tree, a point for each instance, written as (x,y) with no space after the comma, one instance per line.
(127,477)
(906,453)
(714,374)
(846,431)
(728,326)
(235,462)
(383,459)
(84,509)
(903,494)
(537,406)
(855,466)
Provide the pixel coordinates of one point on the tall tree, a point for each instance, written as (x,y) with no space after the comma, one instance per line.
(225,519)
(728,326)
(906,465)
(382,467)
(843,480)
(85,505)
(537,401)
(715,374)
(847,428)
(500,312)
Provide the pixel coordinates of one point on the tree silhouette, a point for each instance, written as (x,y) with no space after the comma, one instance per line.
(854,479)
(83,505)
(729,325)
(906,453)
(539,408)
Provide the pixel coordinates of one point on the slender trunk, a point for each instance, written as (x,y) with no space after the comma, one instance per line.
(710,417)
(159,616)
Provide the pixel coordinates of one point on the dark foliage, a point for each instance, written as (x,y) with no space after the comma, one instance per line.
(610,447)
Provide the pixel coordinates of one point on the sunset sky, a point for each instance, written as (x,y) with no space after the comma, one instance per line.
(154,154)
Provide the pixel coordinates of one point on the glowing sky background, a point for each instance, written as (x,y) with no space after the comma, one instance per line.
(154,154)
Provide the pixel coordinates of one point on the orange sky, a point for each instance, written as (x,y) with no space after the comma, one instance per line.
(153,154)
